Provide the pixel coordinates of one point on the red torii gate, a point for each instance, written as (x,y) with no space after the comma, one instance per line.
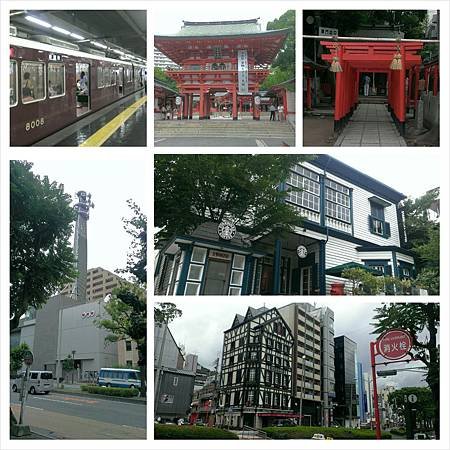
(372,56)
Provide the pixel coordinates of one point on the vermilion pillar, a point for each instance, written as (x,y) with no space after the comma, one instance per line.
(308,93)
(255,108)
(416,86)
(410,88)
(235,113)
(435,79)
(201,112)
(402,100)
(285,105)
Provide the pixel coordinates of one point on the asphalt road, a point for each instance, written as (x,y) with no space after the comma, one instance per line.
(77,417)
(203,141)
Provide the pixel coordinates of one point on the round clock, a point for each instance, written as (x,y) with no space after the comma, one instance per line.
(302,251)
(226,230)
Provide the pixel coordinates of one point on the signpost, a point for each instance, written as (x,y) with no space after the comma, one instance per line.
(393,344)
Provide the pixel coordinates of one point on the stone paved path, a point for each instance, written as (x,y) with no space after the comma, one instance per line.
(370,126)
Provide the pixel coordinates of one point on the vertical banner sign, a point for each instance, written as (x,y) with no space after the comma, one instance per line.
(242,72)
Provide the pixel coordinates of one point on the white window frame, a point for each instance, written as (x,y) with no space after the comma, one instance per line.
(191,266)
(235,289)
(240,274)
(197,286)
(239,267)
(204,255)
(64,79)
(17,83)
(45,82)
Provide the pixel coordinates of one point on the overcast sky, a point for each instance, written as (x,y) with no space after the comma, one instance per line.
(200,329)
(111,182)
(168,19)
(408,170)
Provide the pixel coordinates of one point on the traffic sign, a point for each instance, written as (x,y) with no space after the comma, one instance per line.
(412,398)
(27,358)
(394,344)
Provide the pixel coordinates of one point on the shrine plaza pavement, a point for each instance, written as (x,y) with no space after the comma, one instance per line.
(371,125)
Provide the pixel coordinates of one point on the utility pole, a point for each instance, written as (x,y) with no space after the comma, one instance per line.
(351,404)
(159,370)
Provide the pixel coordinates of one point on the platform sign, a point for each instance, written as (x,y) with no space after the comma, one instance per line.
(394,344)
(325,31)
(242,62)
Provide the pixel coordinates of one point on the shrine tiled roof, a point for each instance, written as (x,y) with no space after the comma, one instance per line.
(220,28)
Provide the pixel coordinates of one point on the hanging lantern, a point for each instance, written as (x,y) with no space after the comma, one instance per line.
(335,64)
(396,63)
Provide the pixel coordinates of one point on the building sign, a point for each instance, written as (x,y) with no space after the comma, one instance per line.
(325,31)
(302,251)
(223,256)
(257,100)
(178,101)
(394,344)
(242,59)
(167,398)
(226,230)
(87,314)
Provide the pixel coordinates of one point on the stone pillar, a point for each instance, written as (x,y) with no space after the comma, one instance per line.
(234,109)
(191,105)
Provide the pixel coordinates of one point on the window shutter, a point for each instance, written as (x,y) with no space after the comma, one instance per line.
(371,224)
(388,270)
(387,230)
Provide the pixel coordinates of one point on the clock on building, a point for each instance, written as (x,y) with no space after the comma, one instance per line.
(226,230)
(302,251)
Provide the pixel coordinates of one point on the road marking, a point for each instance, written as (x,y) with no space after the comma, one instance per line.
(260,143)
(60,401)
(102,135)
(34,407)
(159,140)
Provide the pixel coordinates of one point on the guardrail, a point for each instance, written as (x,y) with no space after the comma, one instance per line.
(253,433)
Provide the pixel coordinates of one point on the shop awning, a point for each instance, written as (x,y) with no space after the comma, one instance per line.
(336,271)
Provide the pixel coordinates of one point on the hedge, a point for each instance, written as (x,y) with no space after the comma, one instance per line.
(191,432)
(307,433)
(398,431)
(111,391)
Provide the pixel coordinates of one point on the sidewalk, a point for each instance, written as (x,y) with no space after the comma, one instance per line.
(370,126)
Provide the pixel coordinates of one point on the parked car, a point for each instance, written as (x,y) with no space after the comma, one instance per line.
(318,436)
(39,381)
(420,436)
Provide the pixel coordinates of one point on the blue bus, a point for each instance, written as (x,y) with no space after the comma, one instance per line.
(122,378)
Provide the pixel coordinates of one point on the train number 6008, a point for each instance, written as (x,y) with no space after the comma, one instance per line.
(34,124)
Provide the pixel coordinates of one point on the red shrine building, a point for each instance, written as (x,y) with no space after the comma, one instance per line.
(222,65)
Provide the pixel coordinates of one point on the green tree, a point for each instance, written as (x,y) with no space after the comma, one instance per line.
(192,189)
(16,357)
(422,321)
(424,404)
(166,312)
(68,364)
(160,75)
(41,256)
(283,67)
(423,239)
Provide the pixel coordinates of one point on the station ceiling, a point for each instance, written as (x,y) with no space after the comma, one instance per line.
(124,29)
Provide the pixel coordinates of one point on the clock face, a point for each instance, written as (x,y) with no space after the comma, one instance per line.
(226,230)
(302,251)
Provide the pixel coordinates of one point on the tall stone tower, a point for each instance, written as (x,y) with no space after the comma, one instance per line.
(80,245)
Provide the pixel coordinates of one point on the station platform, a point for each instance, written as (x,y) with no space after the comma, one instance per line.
(121,124)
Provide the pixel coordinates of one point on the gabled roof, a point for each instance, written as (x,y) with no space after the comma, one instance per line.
(238,319)
(215,28)
(253,312)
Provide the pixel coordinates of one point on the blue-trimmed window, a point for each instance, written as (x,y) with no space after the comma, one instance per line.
(338,203)
(377,222)
(308,182)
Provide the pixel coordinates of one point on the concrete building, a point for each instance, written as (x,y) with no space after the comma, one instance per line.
(202,374)
(346,410)
(305,326)
(256,370)
(99,283)
(204,404)
(167,353)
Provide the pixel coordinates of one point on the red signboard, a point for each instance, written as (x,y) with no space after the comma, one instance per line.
(394,344)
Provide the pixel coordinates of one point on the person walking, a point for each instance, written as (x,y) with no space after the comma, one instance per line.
(272,110)
(366,85)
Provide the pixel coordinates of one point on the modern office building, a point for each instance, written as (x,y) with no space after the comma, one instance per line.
(350,220)
(307,361)
(256,370)
(346,409)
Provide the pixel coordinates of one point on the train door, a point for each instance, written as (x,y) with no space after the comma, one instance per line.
(120,80)
(83,90)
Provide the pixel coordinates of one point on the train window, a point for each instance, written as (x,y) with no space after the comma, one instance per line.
(56,80)
(12,83)
(107,76)
(100,83)
(113,76)
(128,75)
(33,81)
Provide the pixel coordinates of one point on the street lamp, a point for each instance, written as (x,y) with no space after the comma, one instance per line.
(73,362)
(301,390)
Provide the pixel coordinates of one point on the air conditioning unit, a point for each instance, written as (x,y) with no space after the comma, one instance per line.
(53,41)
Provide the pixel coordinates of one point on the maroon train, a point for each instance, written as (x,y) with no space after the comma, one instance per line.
(52,87)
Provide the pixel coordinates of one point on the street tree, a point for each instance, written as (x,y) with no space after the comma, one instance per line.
(68,365)
(127,307)
(283,67)
(161,75)
(166,312)
(41,256)
(422,321)
(424,404)
(192,189)
(16,357)
(423,231)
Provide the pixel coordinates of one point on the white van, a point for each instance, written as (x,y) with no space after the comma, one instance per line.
(39,381)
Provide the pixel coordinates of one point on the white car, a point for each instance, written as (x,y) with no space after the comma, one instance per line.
(318,436)
(39,381)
